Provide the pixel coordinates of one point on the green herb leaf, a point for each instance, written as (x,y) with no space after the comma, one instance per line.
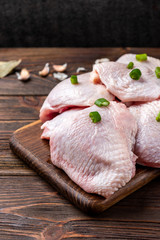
(7,67)
(74,79)
(95,116)
(157,72)
(158,117)
(101,102)
(141,57)
(135,74)
(130,65)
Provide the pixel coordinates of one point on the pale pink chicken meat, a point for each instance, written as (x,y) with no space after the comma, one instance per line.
(66,95)
(97,156)
(151,62)
(147,146)
(115,76)
(60,120)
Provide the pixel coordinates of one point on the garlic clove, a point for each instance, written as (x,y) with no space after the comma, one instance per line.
(45,70)
(101,60)
(60,68)
(80,69)
(23,75)
(60,76)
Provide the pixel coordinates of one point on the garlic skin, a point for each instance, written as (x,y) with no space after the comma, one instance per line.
(101,60)
(60,68)
(80,69)
(24,75)
(60,76)
(45,71)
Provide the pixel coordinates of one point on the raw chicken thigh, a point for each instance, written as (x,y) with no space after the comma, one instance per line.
(147,146)
(58,122)
(66,95)
(115,76)
(100,157)
(151,62)
(96,156)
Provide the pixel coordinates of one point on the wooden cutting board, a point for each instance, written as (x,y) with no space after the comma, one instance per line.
(26,143)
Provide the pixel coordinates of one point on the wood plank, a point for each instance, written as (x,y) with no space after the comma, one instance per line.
(9,163)
(20,107)
(26,143)
(35,58)
(36,54)
(19,228)
(8,127)
(32,209)
(12,165)
(89,229)
(154,52)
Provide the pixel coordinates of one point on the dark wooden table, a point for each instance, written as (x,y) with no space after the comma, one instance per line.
(29,207)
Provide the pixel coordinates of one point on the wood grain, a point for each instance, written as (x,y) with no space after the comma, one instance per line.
(32,209)
(20,107)
(29,207)
(26,143)
(34,60)
(9,163)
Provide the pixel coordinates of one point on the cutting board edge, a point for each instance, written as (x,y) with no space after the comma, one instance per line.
(89,206)
(16,147)
(22,128)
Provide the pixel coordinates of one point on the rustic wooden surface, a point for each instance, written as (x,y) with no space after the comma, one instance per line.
(29,207)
